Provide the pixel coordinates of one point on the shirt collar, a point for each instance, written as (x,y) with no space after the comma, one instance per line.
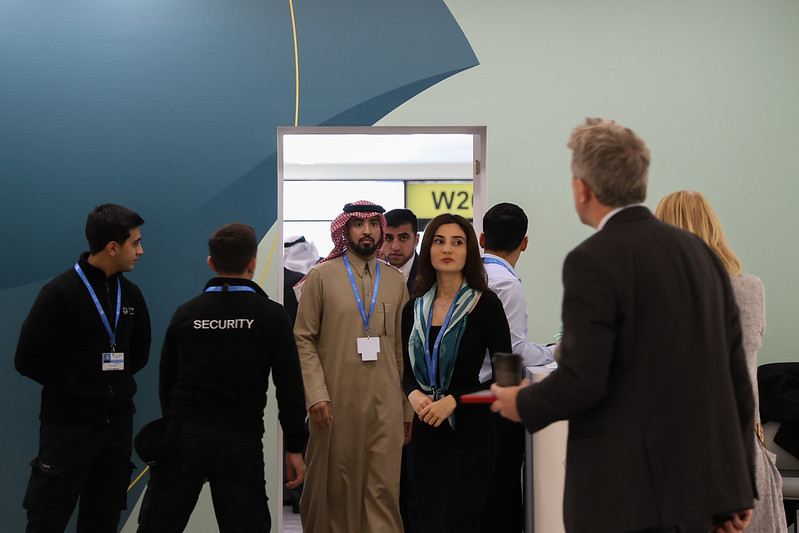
(407,267)
(92,272)
(220,281)
(613,212)
(504,262)
(358,263)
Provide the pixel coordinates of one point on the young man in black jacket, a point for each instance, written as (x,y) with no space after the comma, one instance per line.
(85,336)
(215,364)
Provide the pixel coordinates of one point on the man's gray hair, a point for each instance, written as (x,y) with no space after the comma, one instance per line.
(612,160)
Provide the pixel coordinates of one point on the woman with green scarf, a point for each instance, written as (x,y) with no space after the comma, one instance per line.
(447,329)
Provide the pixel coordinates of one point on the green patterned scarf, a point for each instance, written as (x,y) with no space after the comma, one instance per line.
(448,349)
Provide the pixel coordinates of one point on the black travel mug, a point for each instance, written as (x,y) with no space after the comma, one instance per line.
(507,369)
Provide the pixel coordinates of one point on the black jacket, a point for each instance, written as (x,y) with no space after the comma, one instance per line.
(62,341)
(218,352)
(411,283)
(653,380)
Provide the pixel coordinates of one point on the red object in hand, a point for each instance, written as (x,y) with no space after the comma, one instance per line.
(483,396)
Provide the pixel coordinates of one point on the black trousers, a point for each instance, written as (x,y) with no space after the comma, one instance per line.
(504,509)
(233,464)
(90,463)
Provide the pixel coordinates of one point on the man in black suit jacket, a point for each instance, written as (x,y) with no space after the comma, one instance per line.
(400,242)
(399,249)
(652,375)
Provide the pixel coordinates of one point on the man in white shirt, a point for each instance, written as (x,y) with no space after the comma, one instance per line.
(504,238)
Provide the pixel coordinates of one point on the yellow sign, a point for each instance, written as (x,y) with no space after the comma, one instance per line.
(428,200)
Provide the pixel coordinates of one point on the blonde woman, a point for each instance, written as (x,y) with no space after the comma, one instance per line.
(691,211)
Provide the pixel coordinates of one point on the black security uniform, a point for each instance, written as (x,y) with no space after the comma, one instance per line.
(86,413)
(215,364)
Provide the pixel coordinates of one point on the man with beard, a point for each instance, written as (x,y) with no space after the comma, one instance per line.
(348,336)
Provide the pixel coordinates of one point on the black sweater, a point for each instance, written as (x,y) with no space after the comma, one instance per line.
(217,355)
(62,341)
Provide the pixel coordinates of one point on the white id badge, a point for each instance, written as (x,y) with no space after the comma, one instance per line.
(368,347)
(113,361)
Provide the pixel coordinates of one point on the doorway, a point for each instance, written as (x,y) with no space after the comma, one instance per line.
(429,170)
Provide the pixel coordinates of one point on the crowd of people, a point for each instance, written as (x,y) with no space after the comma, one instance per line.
(377,348)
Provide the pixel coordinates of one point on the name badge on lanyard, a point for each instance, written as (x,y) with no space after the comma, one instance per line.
(111,360)
(368,347)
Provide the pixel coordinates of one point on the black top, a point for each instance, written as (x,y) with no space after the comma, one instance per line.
(217,355)
(452,469)
(487,328)
(62,341)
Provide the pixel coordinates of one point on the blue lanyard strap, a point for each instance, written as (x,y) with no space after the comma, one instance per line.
(500,263)
(229,288)
(432,358)
(358,295)
(112,336)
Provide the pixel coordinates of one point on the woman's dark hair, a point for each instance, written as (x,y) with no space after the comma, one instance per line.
(473,271)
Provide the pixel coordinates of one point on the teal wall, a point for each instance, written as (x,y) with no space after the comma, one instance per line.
(171,108)
(711,86)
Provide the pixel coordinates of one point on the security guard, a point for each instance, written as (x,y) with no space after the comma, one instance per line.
(85,336)
(215,364)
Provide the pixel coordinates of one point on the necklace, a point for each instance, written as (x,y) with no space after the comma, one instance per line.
(443,304)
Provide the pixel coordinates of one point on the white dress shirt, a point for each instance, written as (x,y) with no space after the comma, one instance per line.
(506,283)
(407,267)
(610,214)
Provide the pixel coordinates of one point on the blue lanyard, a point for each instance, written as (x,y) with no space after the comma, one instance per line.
(500,263)
(112,336)
(230,288)
(432,359)
(358,295)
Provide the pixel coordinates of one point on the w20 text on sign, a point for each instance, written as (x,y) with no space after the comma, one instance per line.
(428,200)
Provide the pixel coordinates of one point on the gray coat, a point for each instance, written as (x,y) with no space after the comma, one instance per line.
(768,515)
